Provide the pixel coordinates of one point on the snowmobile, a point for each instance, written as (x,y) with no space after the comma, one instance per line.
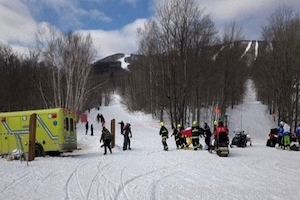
(221,145)
(273,138)
(239,140)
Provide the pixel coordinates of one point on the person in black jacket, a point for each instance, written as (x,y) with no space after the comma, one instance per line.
(92,130)
(127,135)
(98,118)
(164,135)
(122,126)
(208,134)
(102,120)
(86,127)
(177,136)
(106,138)
(196,133)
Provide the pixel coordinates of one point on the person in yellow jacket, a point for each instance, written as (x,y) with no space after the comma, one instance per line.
(215,124)
(196,133)
(164,135)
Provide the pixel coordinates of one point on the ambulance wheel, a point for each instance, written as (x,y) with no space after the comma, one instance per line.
(39,151)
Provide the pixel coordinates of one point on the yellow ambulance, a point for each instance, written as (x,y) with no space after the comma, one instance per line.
(55,131)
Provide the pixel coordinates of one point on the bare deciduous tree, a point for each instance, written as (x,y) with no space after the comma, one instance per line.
(173,45)
(69,57)
(280,64)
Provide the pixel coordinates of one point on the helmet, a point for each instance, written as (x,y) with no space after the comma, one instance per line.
(221,123)
(162,123)
(194,123)
(281,123)
(178,125)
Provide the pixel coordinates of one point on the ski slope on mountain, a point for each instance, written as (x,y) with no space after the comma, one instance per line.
(147,172)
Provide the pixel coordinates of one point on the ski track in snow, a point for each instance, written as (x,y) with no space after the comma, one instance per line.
(148,172)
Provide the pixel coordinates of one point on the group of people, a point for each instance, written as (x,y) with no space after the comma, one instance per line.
(284,135)
(181,140)
(197,132)
(106,137)
(87,128)
(99,119)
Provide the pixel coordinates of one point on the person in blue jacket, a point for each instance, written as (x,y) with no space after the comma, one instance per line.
(280,134)
(298,134)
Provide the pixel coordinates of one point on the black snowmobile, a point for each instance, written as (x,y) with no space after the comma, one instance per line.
(240,139)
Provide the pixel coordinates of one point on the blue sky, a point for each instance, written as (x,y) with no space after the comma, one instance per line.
(113,23)
(89,14)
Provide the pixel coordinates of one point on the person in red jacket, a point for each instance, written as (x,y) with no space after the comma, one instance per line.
(220,129)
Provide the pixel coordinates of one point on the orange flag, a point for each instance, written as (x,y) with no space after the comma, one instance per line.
(217,111)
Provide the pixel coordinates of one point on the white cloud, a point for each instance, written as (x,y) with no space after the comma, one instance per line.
(71,13)
(131,2)
(96,14)
(17,25)
(250,14)
(117,41)
(18,29)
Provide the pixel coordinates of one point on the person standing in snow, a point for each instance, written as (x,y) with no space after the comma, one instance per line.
(176,133)
(207,136)
(127,135)
(102,120)
(92,130)
(215,124)
(280,135)
(106,138)
(98,118)
(122,126)
(298,134)
(164,135)
(286,136)
(86,127)
(196,133)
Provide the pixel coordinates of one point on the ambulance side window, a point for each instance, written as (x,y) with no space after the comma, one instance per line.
(67,124)
(71,124)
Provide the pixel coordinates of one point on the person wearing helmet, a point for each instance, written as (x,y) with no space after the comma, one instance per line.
(196,133)
(177,136)
(215,124)
(220,129)
(164,135)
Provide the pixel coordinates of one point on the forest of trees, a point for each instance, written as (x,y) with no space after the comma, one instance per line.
(183,66)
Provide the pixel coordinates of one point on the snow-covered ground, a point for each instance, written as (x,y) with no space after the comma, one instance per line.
(148,172)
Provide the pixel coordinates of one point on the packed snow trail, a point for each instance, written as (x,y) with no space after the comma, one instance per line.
(147,172)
